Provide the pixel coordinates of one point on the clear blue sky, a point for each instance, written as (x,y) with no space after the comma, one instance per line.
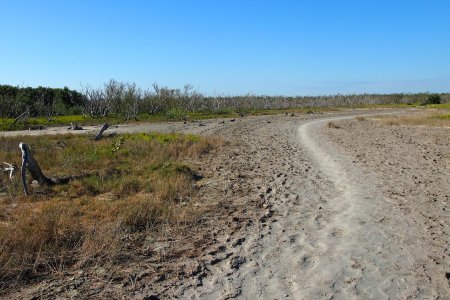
(229,46)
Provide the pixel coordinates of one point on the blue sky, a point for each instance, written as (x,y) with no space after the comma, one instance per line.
(229,46)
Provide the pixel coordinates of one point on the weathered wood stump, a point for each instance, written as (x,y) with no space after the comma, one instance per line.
(30,164)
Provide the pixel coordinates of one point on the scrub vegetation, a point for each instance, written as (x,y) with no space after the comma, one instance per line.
(139,184)
(114,102)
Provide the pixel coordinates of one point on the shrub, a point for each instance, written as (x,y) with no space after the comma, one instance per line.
(176,114)
(433,99)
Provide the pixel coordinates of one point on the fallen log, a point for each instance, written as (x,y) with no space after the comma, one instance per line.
(30,164)
(100,134)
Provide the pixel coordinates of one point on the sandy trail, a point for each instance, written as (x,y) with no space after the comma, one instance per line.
(328,238)
(354,255)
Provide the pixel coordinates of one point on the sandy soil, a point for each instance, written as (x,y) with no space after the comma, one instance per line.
(302,211)
(409,167)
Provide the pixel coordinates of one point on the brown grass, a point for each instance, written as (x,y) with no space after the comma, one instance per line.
(143,180)
(426,118)
(332,125)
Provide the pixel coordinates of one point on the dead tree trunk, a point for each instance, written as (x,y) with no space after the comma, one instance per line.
(100,134)
(30,164)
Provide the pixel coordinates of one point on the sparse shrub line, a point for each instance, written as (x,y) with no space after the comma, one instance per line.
(23,108)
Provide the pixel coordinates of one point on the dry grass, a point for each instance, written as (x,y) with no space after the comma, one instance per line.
(426,118)
(144,180)
(332,125)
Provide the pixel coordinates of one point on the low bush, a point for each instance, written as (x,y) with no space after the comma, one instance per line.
(176,114)
(432,99)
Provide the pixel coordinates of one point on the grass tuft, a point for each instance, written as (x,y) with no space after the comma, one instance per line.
(332,125)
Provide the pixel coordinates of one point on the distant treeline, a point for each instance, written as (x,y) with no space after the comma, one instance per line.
(118,99)
(41,101)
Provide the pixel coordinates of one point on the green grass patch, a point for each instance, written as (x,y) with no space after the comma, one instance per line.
(443,117)
(162,137)
(439,106)
(31,123)
(375,106)
(403,105)
(171,168)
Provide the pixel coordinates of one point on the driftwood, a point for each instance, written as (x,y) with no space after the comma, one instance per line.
(74,126)
(100,134)
(11,168)
(30,164)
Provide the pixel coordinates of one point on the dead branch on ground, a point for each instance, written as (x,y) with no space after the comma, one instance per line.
(11,168)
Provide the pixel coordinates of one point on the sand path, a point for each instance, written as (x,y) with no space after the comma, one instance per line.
(354,255)
(326,238)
